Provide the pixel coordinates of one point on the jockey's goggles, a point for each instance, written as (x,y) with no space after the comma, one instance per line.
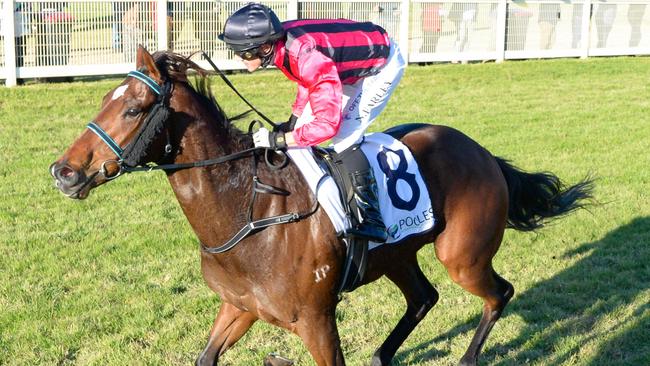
(249,55)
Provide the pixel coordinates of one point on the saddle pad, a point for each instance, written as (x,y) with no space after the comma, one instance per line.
(403,197)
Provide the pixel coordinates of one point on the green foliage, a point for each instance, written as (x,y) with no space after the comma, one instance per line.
(115,279)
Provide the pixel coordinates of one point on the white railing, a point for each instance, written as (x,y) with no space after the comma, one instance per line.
(44,39)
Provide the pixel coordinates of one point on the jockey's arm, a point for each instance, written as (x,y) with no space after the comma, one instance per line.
(302,97)
(320,77)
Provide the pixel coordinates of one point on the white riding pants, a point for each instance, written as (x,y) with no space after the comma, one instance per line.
(363,101)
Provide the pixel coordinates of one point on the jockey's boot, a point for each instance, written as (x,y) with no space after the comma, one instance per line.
(363,198)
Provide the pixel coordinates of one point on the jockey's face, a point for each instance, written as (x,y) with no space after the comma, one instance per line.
(252,58)
(252,65)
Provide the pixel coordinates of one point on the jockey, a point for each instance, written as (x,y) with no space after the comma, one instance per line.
(345,70)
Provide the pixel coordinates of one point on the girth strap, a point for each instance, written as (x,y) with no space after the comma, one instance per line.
(356,261)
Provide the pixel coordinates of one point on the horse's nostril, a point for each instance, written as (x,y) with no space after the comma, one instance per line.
(66,175)
(66,172)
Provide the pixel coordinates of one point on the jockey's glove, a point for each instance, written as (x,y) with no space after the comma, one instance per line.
(287,126)
(269,139)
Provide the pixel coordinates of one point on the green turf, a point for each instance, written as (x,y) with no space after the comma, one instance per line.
(115,279)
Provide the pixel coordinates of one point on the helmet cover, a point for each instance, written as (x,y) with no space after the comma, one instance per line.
(250,27)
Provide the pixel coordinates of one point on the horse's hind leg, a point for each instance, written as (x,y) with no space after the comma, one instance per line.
(494,302)
(469,263)
(230,325)
(420,298)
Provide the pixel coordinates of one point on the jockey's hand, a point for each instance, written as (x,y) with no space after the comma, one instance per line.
(287,126)
(268,139)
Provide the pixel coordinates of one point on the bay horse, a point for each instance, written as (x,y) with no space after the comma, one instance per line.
(288,275)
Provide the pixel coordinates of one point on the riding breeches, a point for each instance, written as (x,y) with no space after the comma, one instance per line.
(363,101)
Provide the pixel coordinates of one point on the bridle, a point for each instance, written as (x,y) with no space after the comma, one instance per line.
(131,155)
(129,158)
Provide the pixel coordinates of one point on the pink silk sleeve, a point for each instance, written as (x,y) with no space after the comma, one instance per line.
(301,100)
(320,79)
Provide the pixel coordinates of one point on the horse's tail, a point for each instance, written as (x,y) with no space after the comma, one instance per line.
(535,197)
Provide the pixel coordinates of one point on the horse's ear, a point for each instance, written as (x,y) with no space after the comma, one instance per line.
(145,61)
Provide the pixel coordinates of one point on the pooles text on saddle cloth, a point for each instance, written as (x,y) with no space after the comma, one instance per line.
(403,197)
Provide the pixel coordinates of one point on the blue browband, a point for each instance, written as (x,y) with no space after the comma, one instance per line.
(147,80)
(103,135)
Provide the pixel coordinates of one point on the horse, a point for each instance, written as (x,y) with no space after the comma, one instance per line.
(288,275)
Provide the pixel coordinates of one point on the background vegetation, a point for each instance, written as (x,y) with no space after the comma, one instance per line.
(115,279)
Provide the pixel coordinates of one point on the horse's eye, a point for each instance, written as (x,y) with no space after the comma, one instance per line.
(132,112)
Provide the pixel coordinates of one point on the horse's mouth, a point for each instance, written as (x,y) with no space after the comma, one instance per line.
(79,191)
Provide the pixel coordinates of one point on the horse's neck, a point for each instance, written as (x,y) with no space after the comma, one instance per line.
(213,198)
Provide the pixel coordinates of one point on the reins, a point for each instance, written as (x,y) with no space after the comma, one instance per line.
(195,164)
(225,80)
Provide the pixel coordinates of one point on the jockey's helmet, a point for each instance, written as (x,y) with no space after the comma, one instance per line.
(250,27)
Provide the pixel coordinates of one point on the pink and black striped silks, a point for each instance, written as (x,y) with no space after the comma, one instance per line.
(321,55)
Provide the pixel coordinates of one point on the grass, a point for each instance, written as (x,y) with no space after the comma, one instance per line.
(115,279)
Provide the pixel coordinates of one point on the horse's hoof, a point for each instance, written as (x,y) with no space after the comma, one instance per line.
(377,360)
(273,359)
(202,361)
(467,362)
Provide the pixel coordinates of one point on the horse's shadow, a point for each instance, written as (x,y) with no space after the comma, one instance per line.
(595,307)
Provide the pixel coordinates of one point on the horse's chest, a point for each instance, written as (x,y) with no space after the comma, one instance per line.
(228,284)
(249,295)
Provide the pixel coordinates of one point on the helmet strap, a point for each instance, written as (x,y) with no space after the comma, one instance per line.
(268,57)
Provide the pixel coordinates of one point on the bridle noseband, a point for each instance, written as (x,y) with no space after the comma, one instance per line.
(131,155)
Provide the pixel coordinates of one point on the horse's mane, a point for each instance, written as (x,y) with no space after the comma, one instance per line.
(176,67)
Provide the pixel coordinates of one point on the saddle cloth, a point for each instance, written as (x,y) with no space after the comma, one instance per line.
(403,198)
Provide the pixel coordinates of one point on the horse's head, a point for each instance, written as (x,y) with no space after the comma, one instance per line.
(126,131)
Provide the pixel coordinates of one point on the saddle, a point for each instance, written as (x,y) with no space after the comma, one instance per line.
(357,248)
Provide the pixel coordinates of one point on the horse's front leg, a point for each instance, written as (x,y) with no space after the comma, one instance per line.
(229,325)
(321,337)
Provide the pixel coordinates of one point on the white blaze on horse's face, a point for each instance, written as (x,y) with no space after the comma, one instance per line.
(119,91)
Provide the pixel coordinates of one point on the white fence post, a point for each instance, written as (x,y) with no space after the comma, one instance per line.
(585,34)
(8,28)
(162,26)
(292,10)
(404,22)
(500,38)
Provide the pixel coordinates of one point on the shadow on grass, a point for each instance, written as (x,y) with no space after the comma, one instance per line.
(599,297)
